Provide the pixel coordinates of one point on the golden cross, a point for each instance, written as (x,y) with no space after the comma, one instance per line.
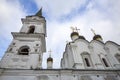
(93,31)
(77,29)
(72,28)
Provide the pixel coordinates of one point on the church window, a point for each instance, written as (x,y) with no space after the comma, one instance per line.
(118,57)
(86,59)
(87,62)
(105,62)
(31,29)
(24,50)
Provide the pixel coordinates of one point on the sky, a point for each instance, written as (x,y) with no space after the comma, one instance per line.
(101,15)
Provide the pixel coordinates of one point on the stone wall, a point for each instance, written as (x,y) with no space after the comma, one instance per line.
(59,74)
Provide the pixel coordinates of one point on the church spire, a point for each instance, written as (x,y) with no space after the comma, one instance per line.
(39,13)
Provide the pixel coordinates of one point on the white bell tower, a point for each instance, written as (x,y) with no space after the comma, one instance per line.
(27,48)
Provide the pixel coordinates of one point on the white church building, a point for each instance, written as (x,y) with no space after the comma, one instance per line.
(82,60)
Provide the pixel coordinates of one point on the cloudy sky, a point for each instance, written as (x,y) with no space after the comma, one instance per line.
(101,15)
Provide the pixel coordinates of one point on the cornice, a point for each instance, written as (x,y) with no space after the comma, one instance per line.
(26,35)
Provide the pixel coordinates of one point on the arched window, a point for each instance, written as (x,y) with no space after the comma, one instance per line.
(87,62)
(24,50)
(31,29)
(105,62)
(86,59)
(118,57)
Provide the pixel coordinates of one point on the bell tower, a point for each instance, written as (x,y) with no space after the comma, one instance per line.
(28,45)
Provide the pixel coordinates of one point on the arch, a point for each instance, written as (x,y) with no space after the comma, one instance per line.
(31,29)
(105,62)
(117,56)
(86,59)
(104,59)
(24,50)
(87,62)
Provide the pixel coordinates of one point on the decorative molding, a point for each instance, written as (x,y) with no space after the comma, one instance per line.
(35,35)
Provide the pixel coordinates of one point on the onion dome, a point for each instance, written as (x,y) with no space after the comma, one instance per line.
(50,59)
(81,37)
(97,37)
(74,34)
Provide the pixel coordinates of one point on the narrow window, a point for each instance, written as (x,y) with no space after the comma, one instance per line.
(105,62)
(87,62)
(86,59)
(31,29)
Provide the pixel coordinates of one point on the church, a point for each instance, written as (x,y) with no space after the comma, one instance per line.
(82,59)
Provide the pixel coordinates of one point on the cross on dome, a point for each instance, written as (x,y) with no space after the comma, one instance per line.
(50,51)
(77,29)
(93,31)
(74,29)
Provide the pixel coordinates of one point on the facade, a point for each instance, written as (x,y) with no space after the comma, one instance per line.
(82,60)
(82,54)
